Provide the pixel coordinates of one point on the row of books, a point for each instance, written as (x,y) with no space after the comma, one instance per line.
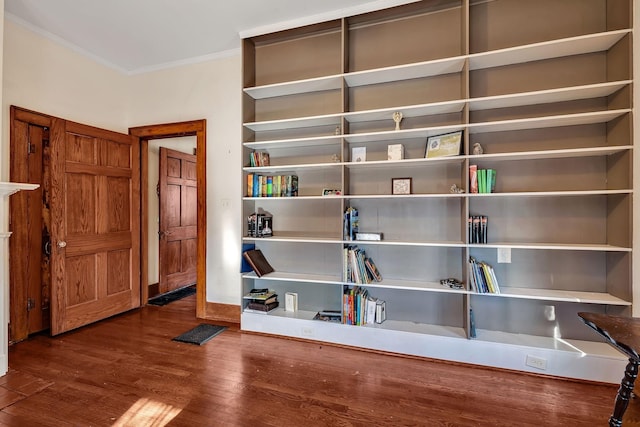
(272,185)
(350,223)
(358,308)
(261,301)
(478,228)
(482,180)
(482,278)
(358,267)
(259,158)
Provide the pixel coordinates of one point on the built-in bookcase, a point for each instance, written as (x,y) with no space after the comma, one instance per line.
(545,87)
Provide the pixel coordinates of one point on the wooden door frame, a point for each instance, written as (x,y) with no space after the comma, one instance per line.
(197,128)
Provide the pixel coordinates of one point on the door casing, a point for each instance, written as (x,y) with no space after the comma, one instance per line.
(198,129)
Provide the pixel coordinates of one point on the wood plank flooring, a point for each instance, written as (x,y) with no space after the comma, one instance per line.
(126,371)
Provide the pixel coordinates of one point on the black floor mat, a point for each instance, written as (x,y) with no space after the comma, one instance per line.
(200,334)
(172,296)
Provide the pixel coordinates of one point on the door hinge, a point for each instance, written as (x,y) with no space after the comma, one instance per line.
(31,148)
(31,304)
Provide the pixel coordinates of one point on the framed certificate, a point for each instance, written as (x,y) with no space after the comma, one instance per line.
(444,145)
(401,186)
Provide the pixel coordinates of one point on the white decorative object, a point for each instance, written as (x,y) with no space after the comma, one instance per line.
(395,152)
(290,301)
(335,158)
(477,149)
(6,189)
(338,132)
(455,189)
(397,117)
(359,154)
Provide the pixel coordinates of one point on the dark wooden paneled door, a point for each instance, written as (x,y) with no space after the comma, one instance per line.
(29,248)
(95,224)
(178,231)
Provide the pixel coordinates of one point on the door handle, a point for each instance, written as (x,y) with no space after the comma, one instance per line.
(62,244)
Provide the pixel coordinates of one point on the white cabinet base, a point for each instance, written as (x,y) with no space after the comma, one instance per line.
(563,358)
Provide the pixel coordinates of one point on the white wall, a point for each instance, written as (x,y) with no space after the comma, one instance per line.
(211,91)
(49,78)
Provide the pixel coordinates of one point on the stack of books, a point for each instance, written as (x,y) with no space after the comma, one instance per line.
(261,301)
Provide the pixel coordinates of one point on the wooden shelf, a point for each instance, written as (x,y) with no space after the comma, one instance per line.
(554,247)
(292,88)
(547,122)
(551,154)
(546,50)
(560,296)
(547,96)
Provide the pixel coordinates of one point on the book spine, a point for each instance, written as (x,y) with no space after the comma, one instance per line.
(249,184)
(493,181)
(269,186)
(473,178)
(476,229)
(256,186)
(484,222)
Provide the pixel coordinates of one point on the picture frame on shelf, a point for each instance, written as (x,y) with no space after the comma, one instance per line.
(359,154)
(448,144)
(401,185)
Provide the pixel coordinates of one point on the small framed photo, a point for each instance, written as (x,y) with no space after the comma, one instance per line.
(444,145)
(400,185)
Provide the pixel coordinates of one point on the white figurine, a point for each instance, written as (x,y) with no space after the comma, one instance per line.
(397,117)
(477,149)
(455,189)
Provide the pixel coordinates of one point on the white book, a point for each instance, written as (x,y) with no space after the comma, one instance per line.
(359,154)
(290,301)
(395,152)
(370,316)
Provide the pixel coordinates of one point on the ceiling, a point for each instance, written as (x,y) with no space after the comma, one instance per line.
(136,36)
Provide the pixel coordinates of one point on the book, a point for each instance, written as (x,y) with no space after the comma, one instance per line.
(395,152)
(258,262)
(260,296)
(473,178)
(328,316)
(359,154)
(250,184)
(254,307)
(290,301)
(482,175)
(244,265)
(381,311)
(484,221)
(270,300)
(372,269)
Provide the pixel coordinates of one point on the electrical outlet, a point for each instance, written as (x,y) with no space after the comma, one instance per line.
(504,255)
(307,332)
(536,362)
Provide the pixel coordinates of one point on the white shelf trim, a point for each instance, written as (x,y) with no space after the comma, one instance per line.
(559,295)
(9,188)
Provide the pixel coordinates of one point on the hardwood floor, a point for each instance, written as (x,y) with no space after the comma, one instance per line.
(126,371)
